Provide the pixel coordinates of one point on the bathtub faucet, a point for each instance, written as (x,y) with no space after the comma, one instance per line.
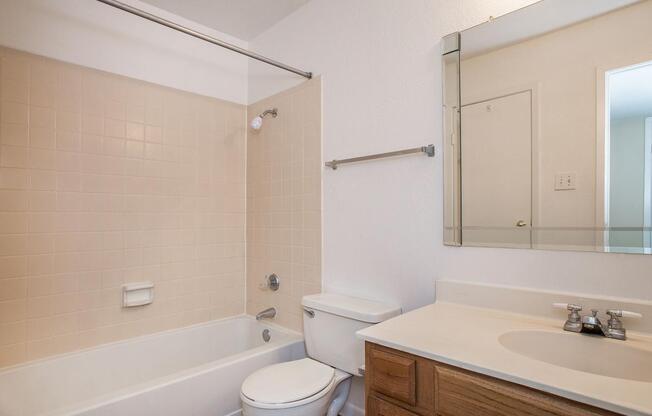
(267,313)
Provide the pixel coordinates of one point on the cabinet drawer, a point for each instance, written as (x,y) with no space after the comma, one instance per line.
(379,407)
(393,375)
(459,393)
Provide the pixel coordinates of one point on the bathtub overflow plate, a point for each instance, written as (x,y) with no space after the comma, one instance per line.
(266,335)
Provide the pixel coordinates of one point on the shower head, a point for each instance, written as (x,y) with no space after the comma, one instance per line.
(257,122)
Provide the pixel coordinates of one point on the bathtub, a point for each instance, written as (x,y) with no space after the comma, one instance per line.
(193,371)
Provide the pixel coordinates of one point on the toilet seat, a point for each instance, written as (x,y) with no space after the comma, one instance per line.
(288,384)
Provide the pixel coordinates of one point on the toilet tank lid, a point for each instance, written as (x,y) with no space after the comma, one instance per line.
(351,307)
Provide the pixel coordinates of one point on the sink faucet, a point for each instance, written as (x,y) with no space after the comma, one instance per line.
(267,313)
(591,324)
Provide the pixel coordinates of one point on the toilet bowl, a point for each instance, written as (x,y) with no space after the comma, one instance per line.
(297,388)
(318,385)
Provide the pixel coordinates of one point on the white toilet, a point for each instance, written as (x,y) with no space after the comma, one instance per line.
(318,385)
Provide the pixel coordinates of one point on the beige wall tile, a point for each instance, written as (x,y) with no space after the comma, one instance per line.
(13,266)
(17,113)
(14,134)
(14,157)
(13,222)
(68,121)
(42,159)
(13,354)
(13,311)
(15,91)
(14,178)
(42,117)
(13,333)
(93,196)
(42,137)
(12,289)
(284,202)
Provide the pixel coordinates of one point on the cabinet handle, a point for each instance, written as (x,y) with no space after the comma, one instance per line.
(521,223)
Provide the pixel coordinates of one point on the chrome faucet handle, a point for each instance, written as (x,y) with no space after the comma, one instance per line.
(573,307)
(271,282)
(574,321)
(619,313)
(615,328)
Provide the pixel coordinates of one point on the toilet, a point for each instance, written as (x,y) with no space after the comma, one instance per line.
(319,384)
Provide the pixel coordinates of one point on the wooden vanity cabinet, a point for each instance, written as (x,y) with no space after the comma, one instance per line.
(394,379)
(401,384)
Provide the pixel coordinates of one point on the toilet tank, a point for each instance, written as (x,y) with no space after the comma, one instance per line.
(330,323)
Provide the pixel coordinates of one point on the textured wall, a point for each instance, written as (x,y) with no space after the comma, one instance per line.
(380,65)
(106,180)
(379,61)
(284,202)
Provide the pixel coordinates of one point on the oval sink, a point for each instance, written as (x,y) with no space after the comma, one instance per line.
(590,354)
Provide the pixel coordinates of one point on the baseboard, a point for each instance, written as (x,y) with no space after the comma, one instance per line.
(351,410)
(236,413)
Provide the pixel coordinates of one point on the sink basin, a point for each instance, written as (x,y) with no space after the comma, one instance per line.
(590,354)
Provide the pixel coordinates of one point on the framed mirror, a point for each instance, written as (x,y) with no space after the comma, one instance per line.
(548,128)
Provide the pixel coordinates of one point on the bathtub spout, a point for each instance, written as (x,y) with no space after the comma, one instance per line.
(267,313)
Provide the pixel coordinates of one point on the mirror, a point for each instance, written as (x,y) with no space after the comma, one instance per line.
(548,128)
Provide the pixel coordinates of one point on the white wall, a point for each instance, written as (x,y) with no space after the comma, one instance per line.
(88,33)
(380,64)
(382,221)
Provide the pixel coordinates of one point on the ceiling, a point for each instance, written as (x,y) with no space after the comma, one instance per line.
(631,92)
(244,19)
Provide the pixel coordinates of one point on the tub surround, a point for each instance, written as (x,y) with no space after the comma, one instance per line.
(284,202)
(466,336)
(106,180)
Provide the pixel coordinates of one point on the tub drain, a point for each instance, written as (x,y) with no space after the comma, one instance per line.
(266,335)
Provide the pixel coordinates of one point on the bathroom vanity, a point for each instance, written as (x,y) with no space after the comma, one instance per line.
(502,351)
(401,384)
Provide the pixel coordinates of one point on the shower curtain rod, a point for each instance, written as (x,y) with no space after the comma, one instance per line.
(130,9)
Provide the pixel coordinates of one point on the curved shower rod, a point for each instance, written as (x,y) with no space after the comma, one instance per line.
(153,18)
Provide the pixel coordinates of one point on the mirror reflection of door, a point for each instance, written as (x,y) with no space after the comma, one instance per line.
(496,171)
(629,147)
(574,161)
(647,219)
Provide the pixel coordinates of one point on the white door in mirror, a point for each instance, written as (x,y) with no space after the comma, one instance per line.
(497,170)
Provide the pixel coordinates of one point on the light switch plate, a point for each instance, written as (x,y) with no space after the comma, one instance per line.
(565,181)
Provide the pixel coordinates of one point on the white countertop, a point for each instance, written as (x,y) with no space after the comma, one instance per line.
(467,337)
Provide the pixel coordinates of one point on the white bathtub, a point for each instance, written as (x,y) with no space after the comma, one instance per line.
(193,371)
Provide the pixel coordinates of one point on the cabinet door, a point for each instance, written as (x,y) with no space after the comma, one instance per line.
(394,376)
(461,393)
(399,378)
(379,407)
